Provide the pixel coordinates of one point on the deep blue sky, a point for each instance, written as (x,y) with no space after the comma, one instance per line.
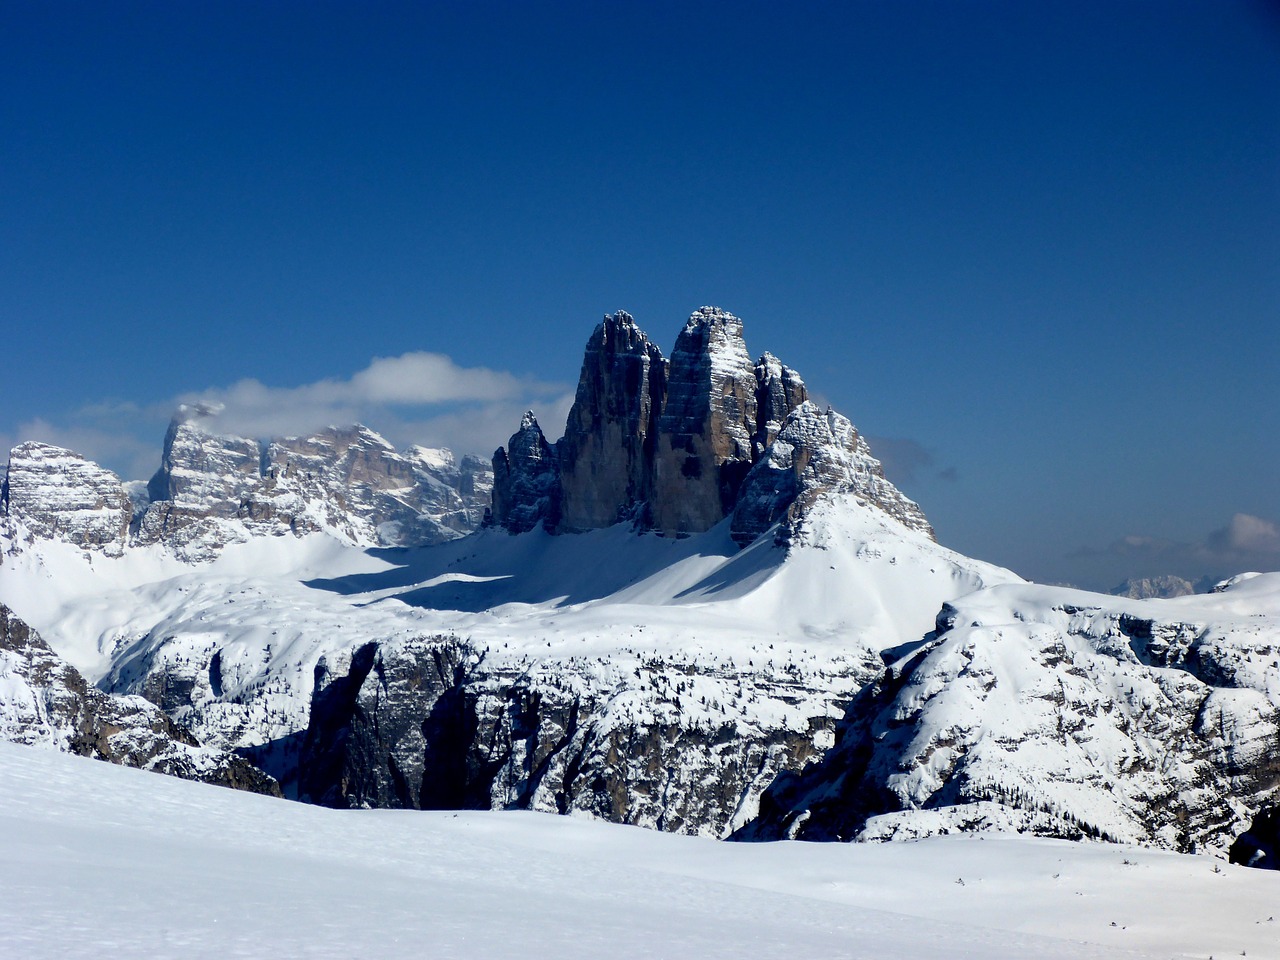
(1035,247)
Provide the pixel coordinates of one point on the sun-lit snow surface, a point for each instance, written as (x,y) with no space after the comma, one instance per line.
(102,861)
(1062,712)
(855,583)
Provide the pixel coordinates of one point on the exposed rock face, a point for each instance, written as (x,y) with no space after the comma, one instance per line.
(705,432)
(433,723)
(1145,588)
(669,445)
(779,390)
(51,493)
(816,453)
(606,454)
(47,701)
(352,481)
(1065,721)
(200,487)
(526,481)
(214,490)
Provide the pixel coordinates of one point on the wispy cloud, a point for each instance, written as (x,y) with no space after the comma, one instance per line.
(1245,543)
(116,444)
(386,386)
(423,398)
(906,460)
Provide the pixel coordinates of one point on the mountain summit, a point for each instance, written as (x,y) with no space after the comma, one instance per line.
(679,445)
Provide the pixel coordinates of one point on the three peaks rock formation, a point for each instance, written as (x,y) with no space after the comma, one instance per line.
(678,445)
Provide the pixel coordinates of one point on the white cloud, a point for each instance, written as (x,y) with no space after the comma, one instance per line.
(371,395)
(413,378)
(1245,543)
(1247,534)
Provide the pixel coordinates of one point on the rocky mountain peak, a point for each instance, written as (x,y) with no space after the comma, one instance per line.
(200,467)
(526,481)
(214,489)
(779,390)
(1145,588)
(669,444)
(816,452)
(704,447)
(52,493)
(607,449)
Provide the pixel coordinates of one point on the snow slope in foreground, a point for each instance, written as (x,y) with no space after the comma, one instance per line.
(103,861)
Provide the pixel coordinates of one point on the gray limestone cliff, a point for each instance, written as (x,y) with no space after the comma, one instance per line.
(52,493)
(779,390)
(212,490)
(48,702)
(706,429)
(200,487)
(676,745)
(606,454)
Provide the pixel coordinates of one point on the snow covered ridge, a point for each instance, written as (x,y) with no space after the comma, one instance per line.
(45,701)
(213,490)
(1062,713)
(710,575)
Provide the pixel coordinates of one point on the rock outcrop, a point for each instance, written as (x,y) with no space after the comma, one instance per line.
(779,390)
(669,445)
(1053,712)
(606,454)
(526,481)
(212,490)
(816,453)
(1259,846)
(683,746)
(197,494)
(46,701)
(52,493)
(1147,588)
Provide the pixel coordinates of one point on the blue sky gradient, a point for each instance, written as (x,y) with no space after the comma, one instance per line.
(1034,248)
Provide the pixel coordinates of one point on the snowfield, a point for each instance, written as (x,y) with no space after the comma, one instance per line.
(271,608)
(103,861)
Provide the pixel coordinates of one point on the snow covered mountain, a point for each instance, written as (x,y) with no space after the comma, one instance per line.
(213,490)
(1062,713)
(45,701)
(684,605)
(660,680)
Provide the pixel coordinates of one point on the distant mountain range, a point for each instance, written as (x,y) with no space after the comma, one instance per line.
(704,609)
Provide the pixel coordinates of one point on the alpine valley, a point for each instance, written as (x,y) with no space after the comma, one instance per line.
(703,610)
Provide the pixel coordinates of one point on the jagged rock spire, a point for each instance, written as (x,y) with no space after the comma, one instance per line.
(606,454)
(526,481)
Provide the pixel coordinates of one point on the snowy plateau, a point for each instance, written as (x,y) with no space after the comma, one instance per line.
(704,610)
